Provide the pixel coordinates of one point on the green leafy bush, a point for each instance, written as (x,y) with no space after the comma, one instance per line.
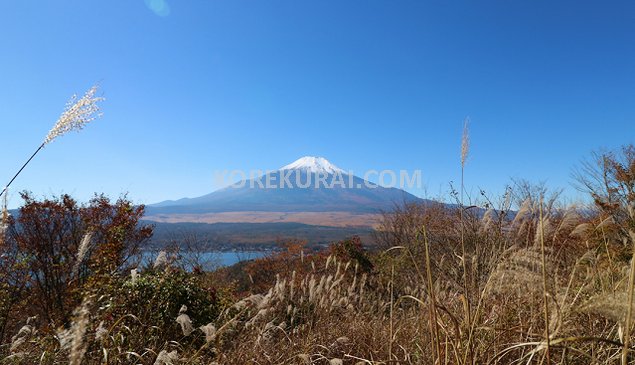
(156,297)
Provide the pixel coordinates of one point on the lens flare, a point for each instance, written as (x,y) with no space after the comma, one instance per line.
(159,7)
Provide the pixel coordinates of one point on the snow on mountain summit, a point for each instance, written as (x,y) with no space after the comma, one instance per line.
(314,165)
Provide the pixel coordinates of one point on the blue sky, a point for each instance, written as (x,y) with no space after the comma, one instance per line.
(199,86)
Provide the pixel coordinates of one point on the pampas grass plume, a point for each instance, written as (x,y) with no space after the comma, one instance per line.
(77,114)
(465,143)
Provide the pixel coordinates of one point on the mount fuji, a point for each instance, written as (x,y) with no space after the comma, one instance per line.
(313,165)
(309,184)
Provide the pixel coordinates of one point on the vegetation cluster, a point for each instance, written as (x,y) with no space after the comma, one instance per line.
(523,278)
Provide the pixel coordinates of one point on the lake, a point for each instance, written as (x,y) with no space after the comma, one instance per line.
(209,260)
(232,257)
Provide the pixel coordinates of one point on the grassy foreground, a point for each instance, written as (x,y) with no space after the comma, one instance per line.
(526,279)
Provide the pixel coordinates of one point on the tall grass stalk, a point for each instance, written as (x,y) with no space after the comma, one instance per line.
(629,310)
(79,327)
(76,115)
(544,280)
(433,324)
(465,149)
(433,302)
(4,219)
(392,304)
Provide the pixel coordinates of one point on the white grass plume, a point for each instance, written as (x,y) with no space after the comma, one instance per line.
(23,335)
(82,251)
(161,260)
(487,220)
(581,230)
(613,306)
(210,332)
(568,223)
(167,358)
(4,219)
(524,210)
(544,229)
(100,332)
(184,320)
(80,324)
(465,143)
(518,273)
(77,114)
(134,275)
(64,336)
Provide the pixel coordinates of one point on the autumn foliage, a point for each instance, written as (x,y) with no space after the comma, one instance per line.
(45,266)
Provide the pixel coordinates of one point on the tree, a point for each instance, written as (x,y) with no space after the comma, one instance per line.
(117,230)
(64,244)
(48,234)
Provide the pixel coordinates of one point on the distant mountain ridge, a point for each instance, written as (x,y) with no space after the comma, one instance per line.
(309,184)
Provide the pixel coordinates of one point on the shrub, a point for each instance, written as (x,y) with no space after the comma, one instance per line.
(156,297)
(352,250)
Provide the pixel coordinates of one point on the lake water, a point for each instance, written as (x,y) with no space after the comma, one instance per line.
(209,260)
(231,257)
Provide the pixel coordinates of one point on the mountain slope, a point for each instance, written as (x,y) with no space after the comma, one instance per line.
(310,184)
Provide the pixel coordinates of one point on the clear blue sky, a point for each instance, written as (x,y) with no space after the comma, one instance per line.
(230,84)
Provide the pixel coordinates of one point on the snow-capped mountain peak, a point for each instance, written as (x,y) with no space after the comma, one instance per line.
(313,165)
